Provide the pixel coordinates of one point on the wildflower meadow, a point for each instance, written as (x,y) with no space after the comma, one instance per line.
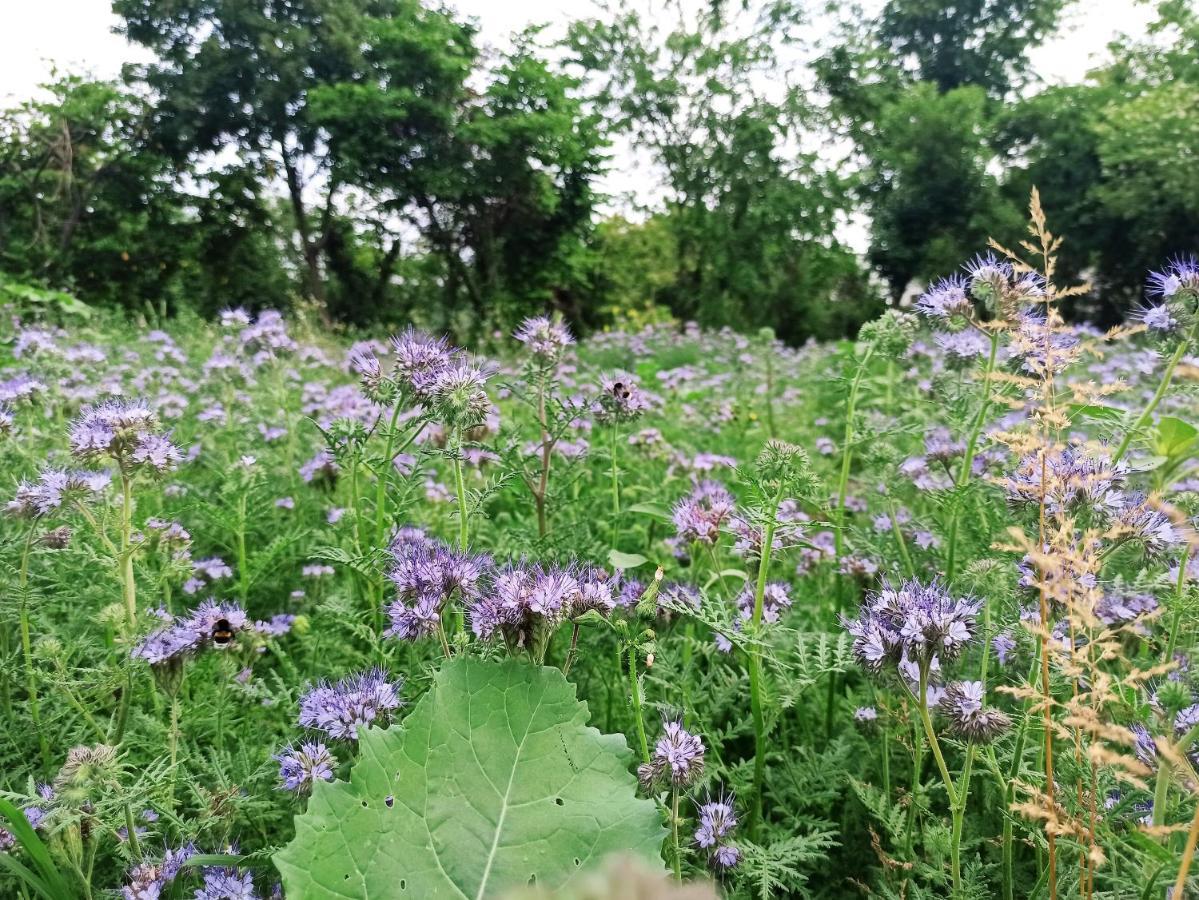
(662,612)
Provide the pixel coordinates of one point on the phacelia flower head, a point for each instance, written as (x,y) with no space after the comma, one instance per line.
(54,488)
(717,821)
(419,359)
(946,299)
(545,339)
(301,767)
(226,884)
(914,622)
(458,396)
(699,516)
(678,757)
(962,702)
(341,708)
(426,573)
(1068,479)
(1178,282)
(620,399)
(776,599)
(125,431)
(149,881)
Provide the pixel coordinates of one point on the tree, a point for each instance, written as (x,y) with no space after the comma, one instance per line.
(240,73)
(751,215)
(917,90)
(498,183)
(1110,159)
(83,204)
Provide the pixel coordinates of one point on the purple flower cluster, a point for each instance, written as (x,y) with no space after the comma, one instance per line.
(962,702)
(226,884)
(911,624)
(211,624)
(717,820)
(620,399)
(776,599)
(678,757)
(149,881)
(1068,479)
(699,516)
(545,339)
(125,431)
(339,709)
(53,488)
(426,573)
(525,601)
(301,767)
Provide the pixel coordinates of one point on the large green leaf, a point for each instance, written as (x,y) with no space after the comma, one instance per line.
(492,781)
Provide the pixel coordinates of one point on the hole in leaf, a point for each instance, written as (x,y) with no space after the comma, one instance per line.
(578,862)
(403,885)
(559,801)
(364,804)
(533,878)
(389,801)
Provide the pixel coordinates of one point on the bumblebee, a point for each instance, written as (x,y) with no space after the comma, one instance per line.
(620,391)
(222,632)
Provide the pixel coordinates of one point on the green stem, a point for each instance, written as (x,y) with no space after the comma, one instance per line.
(383,476)
(1147,412)
(615,487)
(966,470)
(35,712)
(1179,590)
(126,555)
(674,834)
(917,766)
(755,663)
(635,696)
(956,801)
(460,489)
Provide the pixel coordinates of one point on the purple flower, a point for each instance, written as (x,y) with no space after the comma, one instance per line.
(1003,645)
(148,881)
(865,715)
(1181,275)
(945,299)
(322,469)
(914,622)
(699,516)
(717,819)
(54,488)
(300,769)
(1149,525)
(1068,478)
(1143,745)
(226,884)
(620,399)
(726,856)
(775,600)
(678,756)
(418,359)
(962,702)
(341,708)
(1156,318)
(545,339)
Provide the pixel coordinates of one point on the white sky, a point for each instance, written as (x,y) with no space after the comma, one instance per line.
(76,36)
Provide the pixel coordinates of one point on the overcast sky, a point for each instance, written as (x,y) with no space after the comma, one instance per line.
(76,36)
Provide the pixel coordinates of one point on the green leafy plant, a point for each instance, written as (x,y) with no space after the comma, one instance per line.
(493,781)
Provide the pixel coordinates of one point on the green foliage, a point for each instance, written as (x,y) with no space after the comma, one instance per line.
(494,781)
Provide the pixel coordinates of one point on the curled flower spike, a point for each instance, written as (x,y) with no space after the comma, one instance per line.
(340,709)
(458,396)
(149,881)
(678,757)
(913,623)
(946,299)
(545,339)
(125,431)
(620,399)
(962,702)
(419,359)
(717,819)
(699,516)
(1179,280)
(300,768)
